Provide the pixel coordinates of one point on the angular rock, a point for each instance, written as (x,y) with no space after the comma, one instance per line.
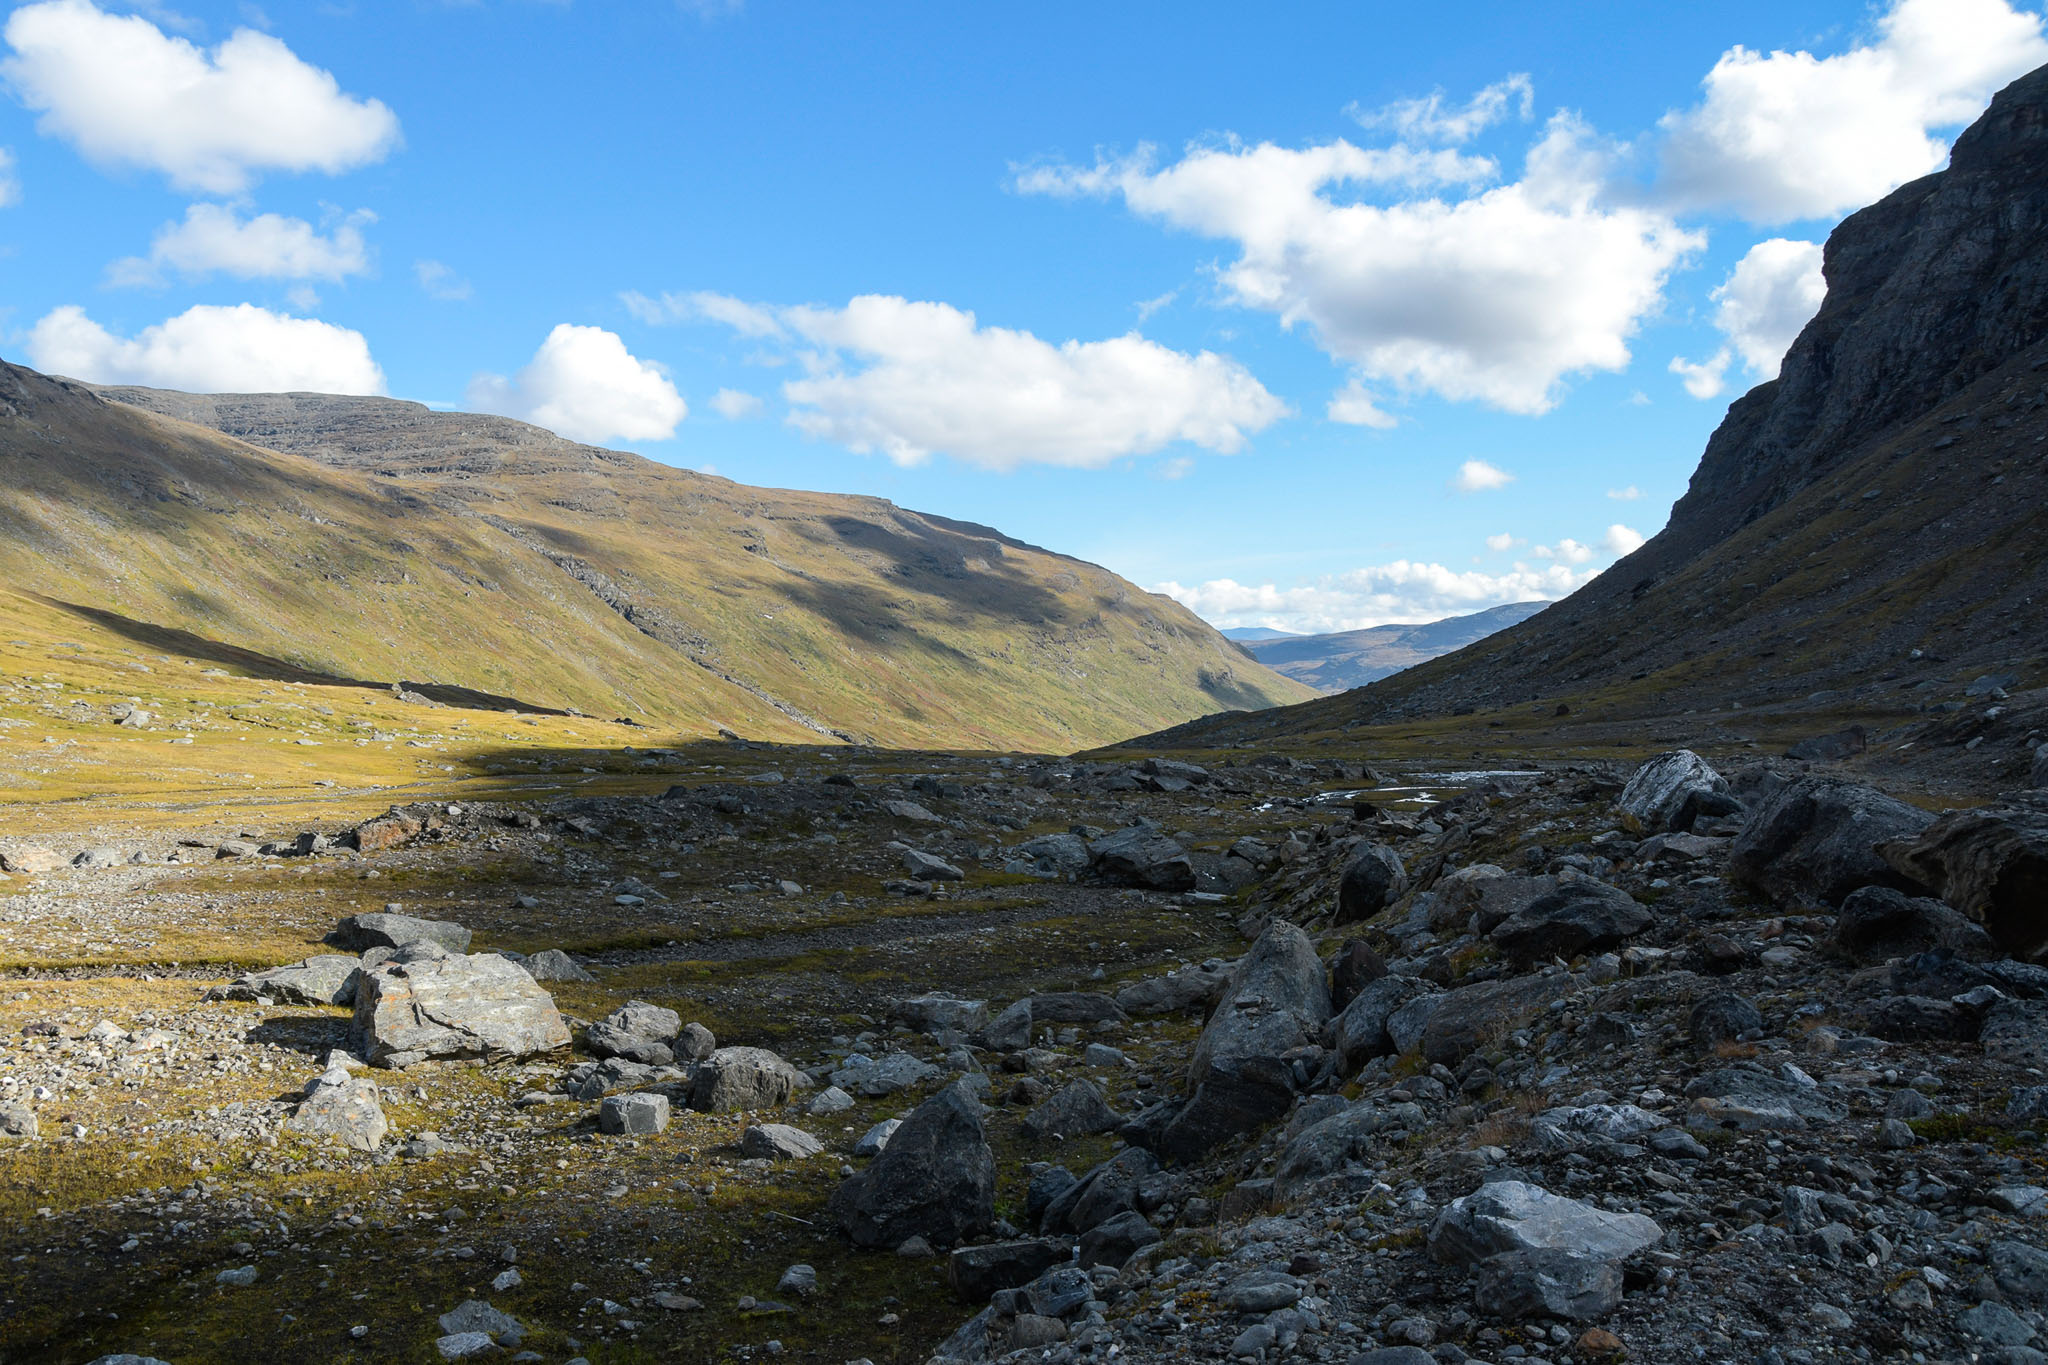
(29,859)
(358,933)
(1878,923)
(830,1100)
(926,867)
(342,1108)
(1187,989)
(1722,1017)
(1355,967)
(1514,1216)
(779,1142)
(1104,1192)
(637,1031)
(737,1078)
(552,964)
(933,1012)
(2016,1031)
(2021,1273)
(641,1113)
(1359,1033)
(1077,1109)
(1075,1007)
(1671,791)
(1054,857)
(978,1272)
(1241,1076)
(1373,880)
(876,1139)
(694,1043)
(1747,1097)
(1336,1145)
(425,1002)
(1816,840)
(17,1121)
(393,830)
(324,979)
(876,1077)
(910,810)
(474,1315)
(1115,1240)
(1466,1018)
(1580,916)
(1143,857)
(935,1180)
(1917,1018)
(1570,1127)
(1548,1284)
(1991,864)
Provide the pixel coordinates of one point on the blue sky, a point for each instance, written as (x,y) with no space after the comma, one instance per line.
(1316,316)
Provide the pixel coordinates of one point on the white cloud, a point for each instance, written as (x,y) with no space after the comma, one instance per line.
(1621,540)
(212,240)
(439,281)
(1568,550)
(10,183)
(1477,476)
(1354,405)
(1707,377)
(913,379)
(1788,135)
(1176,467)
(584,384)
(748,319)
(1498,295)
(733,405)
(1374,596)
(209,349)
(1774,290)
(1428,120)
(127,94)
(1628,494)
(1503,542)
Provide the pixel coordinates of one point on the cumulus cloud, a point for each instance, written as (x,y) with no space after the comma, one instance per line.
(1404,590)
(1771,294)
(584,384)
(125,93)
(1503,542)
(1355,406)
(209,349)
(213,239)
(734,405)
(1491,294)
(1621,540)
(1628,494)
(439,281)
(912,379)
(1430,119)
(1567,550)
(1477,476)
(1787,135)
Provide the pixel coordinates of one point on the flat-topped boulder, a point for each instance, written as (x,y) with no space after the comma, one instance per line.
(323,979)
(425,1002)
(383,929)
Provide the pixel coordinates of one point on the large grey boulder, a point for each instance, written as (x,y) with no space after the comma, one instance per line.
(341,1108)
(323,979)
(1359,1033)
(1547,1284)
(936,1179)
(643,1112)
(876,1077)
(552,964)
(1076,1109)
(1816,840)
(1242,1074)
(1671,791)
(1878,923)
(1104,1192)
(779,1142)
(1463,1020)
(1142,856)
(1187,989)
(358,933)
(1991,864)
(425,1002)
(927,867)
(1373,880)
(1340,1144)
(1748,1098)
(1580,916)
(977,1272)
(1050,857)
(1512,1215)
(936,1011)
(637,1031)
(737,1078)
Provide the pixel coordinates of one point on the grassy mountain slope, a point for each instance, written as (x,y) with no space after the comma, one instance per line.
(1353,658)
(481,554)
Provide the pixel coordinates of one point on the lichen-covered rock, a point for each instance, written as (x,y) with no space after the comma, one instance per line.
(637,1031)
(425,1002)
(737,1078)
(552,964)
(936,1179)
(1142,856)
(343,1108)
(1671,791)
(359,933)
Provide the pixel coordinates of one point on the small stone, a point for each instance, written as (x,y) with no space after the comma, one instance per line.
(240,1277)
(800,1280)
(779,1142)
(1597,1343)
(641,1112)
(876,1138)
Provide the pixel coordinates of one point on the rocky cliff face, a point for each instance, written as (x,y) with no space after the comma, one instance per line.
(1866,526)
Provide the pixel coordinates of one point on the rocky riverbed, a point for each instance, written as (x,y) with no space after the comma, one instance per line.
(837,1056)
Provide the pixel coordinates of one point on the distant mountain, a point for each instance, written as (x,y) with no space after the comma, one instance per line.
(1867,530)
(1353,658)
(1251,634)
(372,539)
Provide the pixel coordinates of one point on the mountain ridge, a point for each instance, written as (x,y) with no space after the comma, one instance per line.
(1341,660)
